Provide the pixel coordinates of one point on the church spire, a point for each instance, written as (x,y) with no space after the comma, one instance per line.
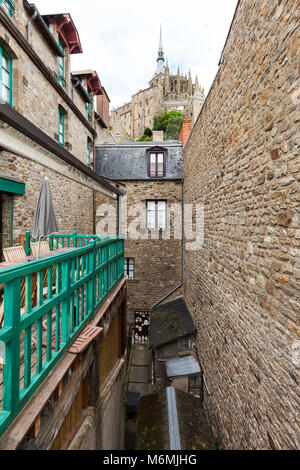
(160,56)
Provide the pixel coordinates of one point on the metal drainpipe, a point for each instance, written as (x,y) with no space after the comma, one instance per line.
(181,284)
(118,214)
(32,18)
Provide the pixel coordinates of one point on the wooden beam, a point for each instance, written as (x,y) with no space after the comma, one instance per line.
(35,429)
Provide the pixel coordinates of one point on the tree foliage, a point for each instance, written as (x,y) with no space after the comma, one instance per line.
(148,132)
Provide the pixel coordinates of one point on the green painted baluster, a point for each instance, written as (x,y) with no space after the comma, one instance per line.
(91,283)
(73,319)
(74,239)
(39,325)
(49,315)
(65,314)
(11,370)
(27,244)
(57,313)
(27,340)
(51,242)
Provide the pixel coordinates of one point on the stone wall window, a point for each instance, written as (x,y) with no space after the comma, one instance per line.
(156,215)
(89,107)
(61,66)
(184,344)
(90,157)
(61,127)
(6,76)
(129,267)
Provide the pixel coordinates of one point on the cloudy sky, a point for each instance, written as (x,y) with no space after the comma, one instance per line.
(120,38)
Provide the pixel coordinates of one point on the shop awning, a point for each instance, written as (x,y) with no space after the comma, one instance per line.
(9,185)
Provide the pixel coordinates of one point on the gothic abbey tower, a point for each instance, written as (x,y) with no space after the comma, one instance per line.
(165,91)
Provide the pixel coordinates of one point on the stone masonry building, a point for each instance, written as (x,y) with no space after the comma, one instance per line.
(48,128)
(165,92)
(152,258)
(242,164)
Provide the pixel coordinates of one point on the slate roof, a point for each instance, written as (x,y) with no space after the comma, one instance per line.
(169,322)
(182,366)
(153,431)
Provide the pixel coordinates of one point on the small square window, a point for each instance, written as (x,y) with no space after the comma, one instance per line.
(184,344)
(129,267)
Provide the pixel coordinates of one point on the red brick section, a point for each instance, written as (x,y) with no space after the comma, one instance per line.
(103,107)
(185,131)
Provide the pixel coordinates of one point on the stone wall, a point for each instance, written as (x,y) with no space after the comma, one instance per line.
(157,262)
(33,95)
(72,201)
(242,163)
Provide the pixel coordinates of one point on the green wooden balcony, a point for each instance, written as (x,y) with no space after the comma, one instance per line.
(47,304)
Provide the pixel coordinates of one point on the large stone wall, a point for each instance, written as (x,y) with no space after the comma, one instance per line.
(242,163)
(72,200)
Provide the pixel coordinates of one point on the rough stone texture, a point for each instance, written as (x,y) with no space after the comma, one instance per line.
(66,195)
(32,93)
(242,163)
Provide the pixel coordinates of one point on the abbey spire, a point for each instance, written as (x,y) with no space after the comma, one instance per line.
(160,56)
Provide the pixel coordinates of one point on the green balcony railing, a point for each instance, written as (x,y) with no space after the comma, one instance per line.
(47,304)
(66,241)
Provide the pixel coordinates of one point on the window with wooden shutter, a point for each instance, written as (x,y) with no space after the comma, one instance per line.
(156,162)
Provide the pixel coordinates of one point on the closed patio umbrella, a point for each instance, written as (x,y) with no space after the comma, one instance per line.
(44,221)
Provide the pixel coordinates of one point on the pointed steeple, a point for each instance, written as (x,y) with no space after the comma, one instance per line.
(196,84)
(190,83)
(160,56)
(167,70)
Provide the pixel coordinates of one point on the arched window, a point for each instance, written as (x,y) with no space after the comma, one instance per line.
(6,76)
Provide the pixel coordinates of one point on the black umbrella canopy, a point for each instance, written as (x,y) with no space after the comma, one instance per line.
(44,221)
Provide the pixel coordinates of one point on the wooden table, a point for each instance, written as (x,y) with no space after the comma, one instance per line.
(51,253)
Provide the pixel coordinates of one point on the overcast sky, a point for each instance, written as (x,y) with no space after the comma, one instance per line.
(120,39)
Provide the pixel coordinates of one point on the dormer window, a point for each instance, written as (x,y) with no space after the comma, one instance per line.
(157,162)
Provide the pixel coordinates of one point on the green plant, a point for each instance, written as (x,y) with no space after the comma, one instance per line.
(170,123)
(218,444)
(148,132)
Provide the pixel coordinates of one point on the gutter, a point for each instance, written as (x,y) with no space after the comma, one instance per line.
(31,8)
(76,82)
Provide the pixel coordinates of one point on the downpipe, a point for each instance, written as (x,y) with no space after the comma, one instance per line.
(32,18)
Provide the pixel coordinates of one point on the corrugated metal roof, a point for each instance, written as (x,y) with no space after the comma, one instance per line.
(182,366)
